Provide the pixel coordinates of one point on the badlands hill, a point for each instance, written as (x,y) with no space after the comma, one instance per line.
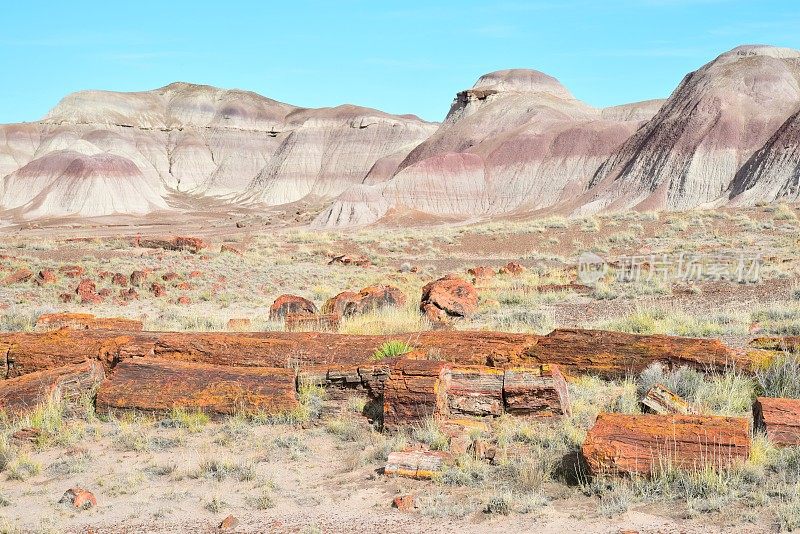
(103,153)
(517,142)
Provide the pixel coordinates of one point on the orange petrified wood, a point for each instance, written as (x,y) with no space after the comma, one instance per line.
(153,385)
(617,353)
(23,394)
(85,321)
(642,444)
(414,390)
(780,418)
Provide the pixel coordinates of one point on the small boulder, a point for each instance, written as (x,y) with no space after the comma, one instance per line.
(183,300)
(78,498)
(158,290)
(240,324)
(72,271)
(447,297)
(290,304)
(138,278)
(513,268)
(17,277)
(87,292)
(404,503)
(168,277)
(337,304)
(45,277)
(119,279)
(233,249)
(481,274)
(229,523)
(348,259)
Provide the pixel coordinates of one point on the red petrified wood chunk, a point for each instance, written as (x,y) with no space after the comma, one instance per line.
(23,394)
(153,385)
(780,418)
(84,321)
(474,390)
(415,464)
(79,498)
(413,391)
(286,304)
(617,353)
(449,296)
(643,444)
(540,391)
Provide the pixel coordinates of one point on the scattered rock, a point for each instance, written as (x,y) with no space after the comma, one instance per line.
(229,523)
(79,498)
(183,300)
(103,293)
(286,304)
(170,276)
(239,324)
(660,400)
(513,268)
(66,297)
(87,292)
(184,286)
(180,243)
(195,274)
(233,249)
(404,503)
(621,443)
(158,290)
(780,418)
(128,294)
(337,304)
(447,297)
(138,278)
(481,274)
(72,271)
(347,259)
(17,277)
(119,279)
(45,277)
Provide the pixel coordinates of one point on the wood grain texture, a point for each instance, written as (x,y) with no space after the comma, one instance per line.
(780,418)
(642,444)
(153,385)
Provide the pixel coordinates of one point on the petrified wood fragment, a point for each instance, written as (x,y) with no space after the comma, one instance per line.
(644,444)
(153,385)
(68,383)
(539,391)
(660,400)
(415,464)
(85,321)
(780,418)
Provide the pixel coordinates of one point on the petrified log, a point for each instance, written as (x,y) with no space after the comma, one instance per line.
(538,391)
(323,322)
(788,343)
(474,390)
(23,394)
(152,385)
(660,400)
(780,418)
(617,354)
(643,444)
(84,321)
(22,353)
(191,244)
(414,391)
(415,464)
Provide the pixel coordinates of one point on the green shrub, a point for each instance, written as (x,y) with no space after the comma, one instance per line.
(391,349)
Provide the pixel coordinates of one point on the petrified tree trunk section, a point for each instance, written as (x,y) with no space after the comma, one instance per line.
(415,464)
(660,400)
(153,385)
(85,321)
(644,444)
(600,352)
(23,394)
(780,418)
(788,343)
(617,354)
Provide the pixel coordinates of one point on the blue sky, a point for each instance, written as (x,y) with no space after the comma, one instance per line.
(402,57)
